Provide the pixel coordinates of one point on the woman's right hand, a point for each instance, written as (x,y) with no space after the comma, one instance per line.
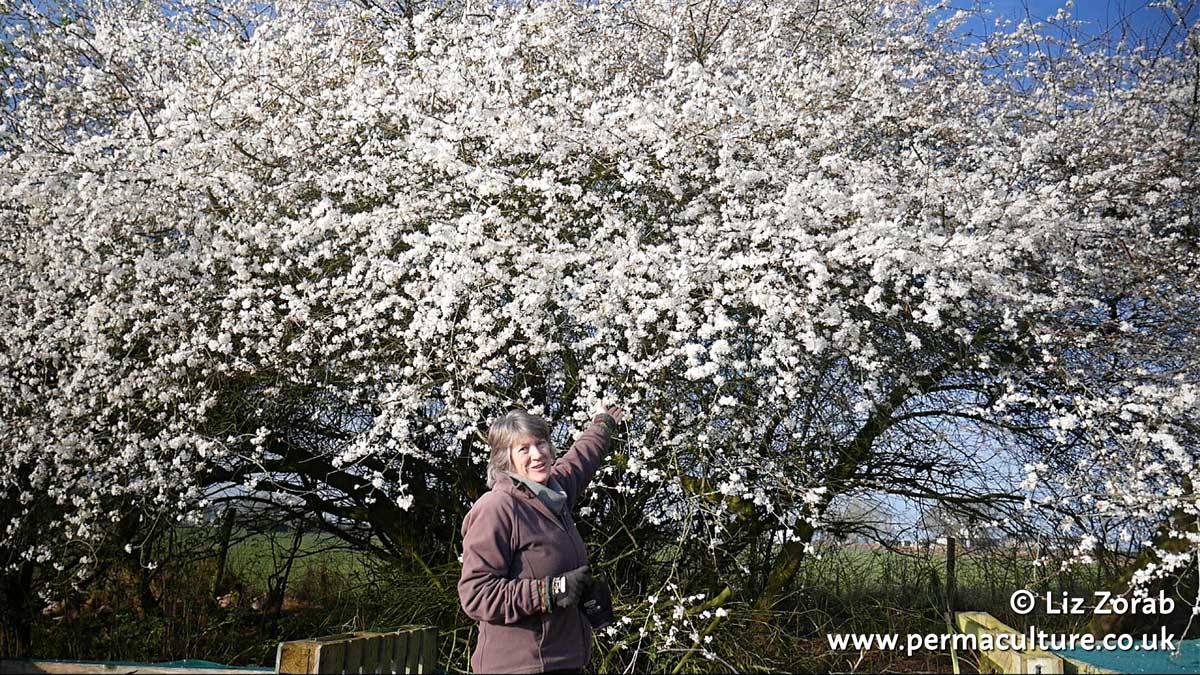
(566,588)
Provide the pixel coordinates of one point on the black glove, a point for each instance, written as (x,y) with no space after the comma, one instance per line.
(597,603)
(566,588)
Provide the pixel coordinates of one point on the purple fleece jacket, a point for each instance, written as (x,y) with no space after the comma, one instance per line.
(511,540)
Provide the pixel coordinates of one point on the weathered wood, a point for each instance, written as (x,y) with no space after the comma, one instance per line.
(331,657)
(298,657)
(412,663)
(31,666)
(1011,661)
(354,657)
(371,658)
(1046,664)
(400,651)
(386,647)
(429,651)
(411,649)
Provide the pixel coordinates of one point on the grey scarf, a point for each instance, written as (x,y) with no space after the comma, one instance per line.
(552,495)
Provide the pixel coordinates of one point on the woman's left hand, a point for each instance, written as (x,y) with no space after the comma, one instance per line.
(616,411)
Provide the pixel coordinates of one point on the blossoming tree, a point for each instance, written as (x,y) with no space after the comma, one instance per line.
(820,251)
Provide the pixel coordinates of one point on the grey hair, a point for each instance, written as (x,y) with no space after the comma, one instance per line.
(503,432)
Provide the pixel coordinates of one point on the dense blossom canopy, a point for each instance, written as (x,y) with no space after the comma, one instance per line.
(817,250)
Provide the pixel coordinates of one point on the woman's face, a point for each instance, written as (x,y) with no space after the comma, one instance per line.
(532,458)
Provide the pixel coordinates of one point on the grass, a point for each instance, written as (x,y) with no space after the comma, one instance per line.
(333,590)
(256,557)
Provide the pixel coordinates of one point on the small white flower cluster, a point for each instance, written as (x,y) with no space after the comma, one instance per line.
(668,622)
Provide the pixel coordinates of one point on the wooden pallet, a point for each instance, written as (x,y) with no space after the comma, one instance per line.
(411,650)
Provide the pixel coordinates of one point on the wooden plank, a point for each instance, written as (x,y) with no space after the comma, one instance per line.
(387,652)
(354,657)
(413,660)
(1046,663)
(383,656)
(32,666)
(305,656)
(995,660)
(1009,661)
(331,657)
(980,620)
(429,651)
(298,657)
(337,637)
(371,646)
(400,657)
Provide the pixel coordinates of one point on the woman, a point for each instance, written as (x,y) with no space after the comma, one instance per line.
(524,563)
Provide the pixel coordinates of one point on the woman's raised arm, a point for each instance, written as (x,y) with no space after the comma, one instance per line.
(576,468)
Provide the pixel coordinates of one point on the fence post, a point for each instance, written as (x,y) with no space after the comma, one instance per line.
(951,581)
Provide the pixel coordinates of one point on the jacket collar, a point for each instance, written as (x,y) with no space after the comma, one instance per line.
(509,485)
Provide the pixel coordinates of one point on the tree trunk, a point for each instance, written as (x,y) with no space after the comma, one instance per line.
(1178,585)
(857,451)
(785,568)
(223,553)
(278,581)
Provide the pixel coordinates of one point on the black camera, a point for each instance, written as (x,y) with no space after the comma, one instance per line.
(596,603)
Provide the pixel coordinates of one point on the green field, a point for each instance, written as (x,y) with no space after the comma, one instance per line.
(331,589)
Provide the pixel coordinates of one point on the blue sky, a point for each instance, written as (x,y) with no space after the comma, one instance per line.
(1138,18)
